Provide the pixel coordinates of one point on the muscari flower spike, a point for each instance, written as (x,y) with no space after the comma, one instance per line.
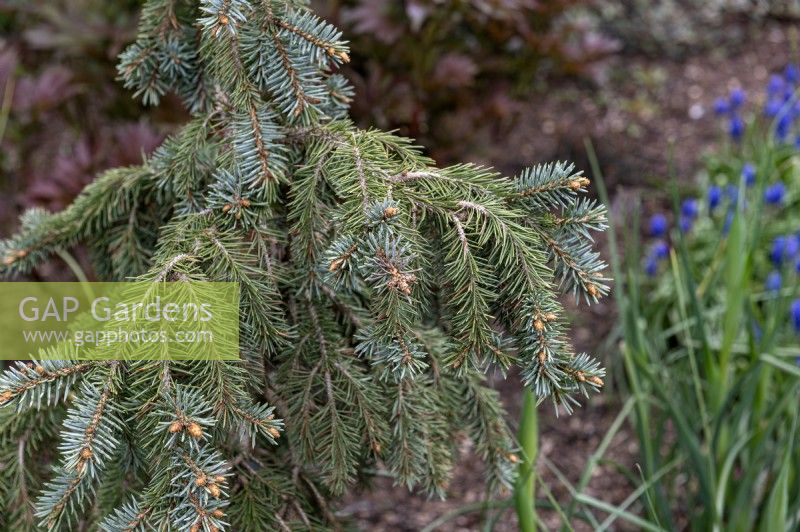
(736,127)
(774,193)
(792,246)
(721,106)
(661,249)
(775,85)
(714,197)
(737,98)
(658,225)
(651,266)
(790,74)
(772,108)
(795,313)
(777,251)
(689,208)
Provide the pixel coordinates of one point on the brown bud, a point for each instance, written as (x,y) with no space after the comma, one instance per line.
(593,291)
(212,528)
(244,202)
(227,207)
(175,426)
(538,325)
(194,430)
(218,514)
(377,447)
(6,396)
(390,212)
(270,417)
(9,260)
(238,215)
(513,458)
(39,370)
(200,480)
(575,184)
(597,381)
(86,453)
(335,264)
(344,57)
(219,479)
(21,253)
(580,376)
(542,357)
(214,490)
(194,528)
(275,433)
(223,19)
(550,317)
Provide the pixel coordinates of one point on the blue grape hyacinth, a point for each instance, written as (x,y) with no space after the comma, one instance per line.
(714,197)
(777,251)
(737,98)
(736,127)
(774,193)
(658,225)
(795,312)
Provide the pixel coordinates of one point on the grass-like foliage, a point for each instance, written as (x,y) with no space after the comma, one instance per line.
(376,291)
(712,333)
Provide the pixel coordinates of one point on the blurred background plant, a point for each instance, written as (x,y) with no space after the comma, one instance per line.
(65,116)
(710,322)
(437,70)
(677,27)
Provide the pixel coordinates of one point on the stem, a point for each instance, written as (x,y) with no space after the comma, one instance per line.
(524,494)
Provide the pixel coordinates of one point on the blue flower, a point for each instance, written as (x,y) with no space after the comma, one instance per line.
(775,85)
(689,208)
(797,265)
(728,222)
(658,225)
(790,74)
(797,142)
(749,174)
(773,283)
(685,224)
(777,251)
(661,250)
(738,97)
(783,126)
(772,108)
(714,197)
(736,127)
(721,106)
(774,193)
(792,246)
(796,314)
(651,266)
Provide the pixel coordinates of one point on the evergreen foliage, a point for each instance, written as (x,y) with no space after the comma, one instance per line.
(376,291)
